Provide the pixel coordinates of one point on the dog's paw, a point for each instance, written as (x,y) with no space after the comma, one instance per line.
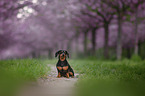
(72,76)
(58,76)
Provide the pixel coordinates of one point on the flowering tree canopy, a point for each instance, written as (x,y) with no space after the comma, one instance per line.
(34,28)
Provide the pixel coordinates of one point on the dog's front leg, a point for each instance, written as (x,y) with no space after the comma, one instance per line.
(59,69)
(59,75)
(71,74)
(67,75)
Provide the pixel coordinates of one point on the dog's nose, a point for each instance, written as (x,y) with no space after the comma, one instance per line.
(63,54)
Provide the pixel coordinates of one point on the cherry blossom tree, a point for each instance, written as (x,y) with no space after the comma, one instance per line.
(104,13)
(37,28)
(137,7)
(8,12)
(122,8)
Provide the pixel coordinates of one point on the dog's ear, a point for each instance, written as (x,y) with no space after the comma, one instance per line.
(57,53)
(67,54)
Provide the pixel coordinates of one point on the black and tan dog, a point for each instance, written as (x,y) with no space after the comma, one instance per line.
(63,67)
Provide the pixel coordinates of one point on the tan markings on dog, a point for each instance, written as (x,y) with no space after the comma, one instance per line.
(62,58)
(59,68)
(67,75)
(65,68)
(59,75)
(71,73)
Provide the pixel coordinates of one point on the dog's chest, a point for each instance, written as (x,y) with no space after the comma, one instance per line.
(62,63)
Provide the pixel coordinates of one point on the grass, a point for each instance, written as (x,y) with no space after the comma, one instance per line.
(97,77)
(28,69)
(125,70)
(15,72)
(110,78)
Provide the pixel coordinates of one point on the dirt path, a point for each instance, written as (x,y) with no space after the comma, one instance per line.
(52,86)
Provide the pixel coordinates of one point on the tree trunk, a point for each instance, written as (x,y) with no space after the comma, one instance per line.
(128,53)
(38,55)
(106,39)
(119,41)
(139,47)
(56,47)
(77,44)
(62,45)
(136,49)
(33,54)
(93,41)
(85,42)
(69,45)
(50,53)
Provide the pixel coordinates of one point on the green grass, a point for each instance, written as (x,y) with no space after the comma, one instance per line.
(28,69)
(125,70)
(13,73)
(110,78)
(97,77)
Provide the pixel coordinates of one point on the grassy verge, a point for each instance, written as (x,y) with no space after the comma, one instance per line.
(110,78)
(97,78)
(15,72)
(125,70)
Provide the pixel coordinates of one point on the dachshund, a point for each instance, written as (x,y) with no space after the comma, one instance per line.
(63,67)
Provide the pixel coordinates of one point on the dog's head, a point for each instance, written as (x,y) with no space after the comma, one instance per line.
(62,54)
